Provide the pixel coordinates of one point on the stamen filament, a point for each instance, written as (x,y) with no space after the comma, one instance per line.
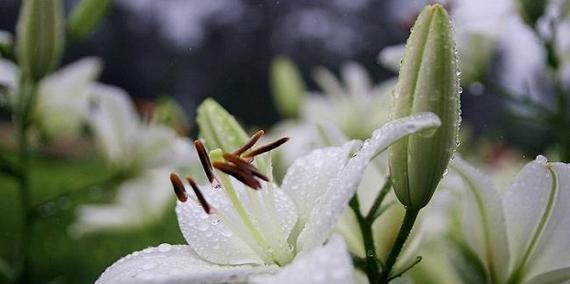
(179,189)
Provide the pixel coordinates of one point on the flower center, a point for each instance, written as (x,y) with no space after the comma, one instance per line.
(252,215)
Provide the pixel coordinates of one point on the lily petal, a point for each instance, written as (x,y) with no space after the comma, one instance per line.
(541,195)
(330,263)
(483,211)
(552,277)
(307,179)
(340,189)
(173,264)
(63,97)
(114,121)
(139,201)
(209,236)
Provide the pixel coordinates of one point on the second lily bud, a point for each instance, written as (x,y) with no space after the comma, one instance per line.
(428,82)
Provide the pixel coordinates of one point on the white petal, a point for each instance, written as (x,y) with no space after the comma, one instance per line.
(173,264)
(357,80)
(330,263)
(114,121)
(328,83)
(483,218)
(208,235)
(307,179)
(156,146)
(391,56)
(63,97)
(139,201)
(9,74)
(348,227)
(340,189)
(553,248)
(559,276)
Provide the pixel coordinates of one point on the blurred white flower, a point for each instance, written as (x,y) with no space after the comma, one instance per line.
(483,29)
(241,231)
(141,154)
(520,235)
(62,104)
(356,107)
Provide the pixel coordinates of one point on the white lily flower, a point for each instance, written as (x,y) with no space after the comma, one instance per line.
(63,97)
(355,106)
(520,235)
(142,154)
(259,230)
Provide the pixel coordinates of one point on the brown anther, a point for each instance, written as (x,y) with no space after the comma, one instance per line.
(199,196)
(266,148)
(245,165)
(249,143)
(178,188)
(240,174)
(204,160)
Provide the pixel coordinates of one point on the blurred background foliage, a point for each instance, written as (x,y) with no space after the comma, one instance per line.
(192,49)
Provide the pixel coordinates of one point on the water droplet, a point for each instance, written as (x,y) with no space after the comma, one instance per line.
(164,247)
(541,160)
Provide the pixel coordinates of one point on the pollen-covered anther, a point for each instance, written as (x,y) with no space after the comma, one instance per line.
(249,143)
(204,160)
(244,165)
(266,148)
(179,189)
(244,176)
(207,208)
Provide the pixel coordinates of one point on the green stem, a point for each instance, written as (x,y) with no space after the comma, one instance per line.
(24,184)
(405,229)
(371,261)
(26,96)
(372,214)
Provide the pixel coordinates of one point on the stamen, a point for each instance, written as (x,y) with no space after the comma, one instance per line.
(205,160)
(266,148)
(178,188)
(249,143)
(245,165)
(199,195)
(238,173)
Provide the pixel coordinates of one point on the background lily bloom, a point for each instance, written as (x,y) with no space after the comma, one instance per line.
(233,226)
(63,97)
(352,103)
(140,155)
(519,235)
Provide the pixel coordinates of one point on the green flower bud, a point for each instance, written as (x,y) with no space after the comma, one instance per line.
(428,82)
(287,87)
(86,16)
(40,37)
(168,112)
(218,128)
(531,10)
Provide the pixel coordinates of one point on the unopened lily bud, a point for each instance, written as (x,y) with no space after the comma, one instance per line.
(531,10)
(40,37)
(86,16)
(287,87)
(218,128)
(428,82)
